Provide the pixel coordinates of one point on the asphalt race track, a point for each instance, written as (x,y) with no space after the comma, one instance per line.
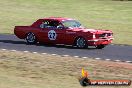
(111,52)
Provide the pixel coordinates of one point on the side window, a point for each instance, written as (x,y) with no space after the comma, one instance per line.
(44,24)
(55,25)
(52,24)
(60,26)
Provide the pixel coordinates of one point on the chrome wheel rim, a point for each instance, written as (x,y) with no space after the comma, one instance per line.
(81,43)
(30,38)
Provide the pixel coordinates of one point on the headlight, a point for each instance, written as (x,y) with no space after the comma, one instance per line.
(94,36)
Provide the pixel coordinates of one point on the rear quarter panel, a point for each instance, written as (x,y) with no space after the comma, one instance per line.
(21,31)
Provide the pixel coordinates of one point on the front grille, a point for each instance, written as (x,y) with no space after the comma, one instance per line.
(105,35)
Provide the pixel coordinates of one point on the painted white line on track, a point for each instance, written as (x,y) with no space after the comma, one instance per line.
(117,60)
(75,56)
(25,51)
(13,50)
(107,59)
(97,58)
(35,52)
(65,55)
(3,49)
(43,53)
(53,54)
(84,57)
(128,61)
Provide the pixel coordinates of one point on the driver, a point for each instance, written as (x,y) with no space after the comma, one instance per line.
(43,25)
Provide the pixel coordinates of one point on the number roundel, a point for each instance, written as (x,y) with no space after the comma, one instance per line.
(52,35)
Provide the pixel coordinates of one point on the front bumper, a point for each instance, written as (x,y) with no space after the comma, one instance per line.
(95,40)
(101,41)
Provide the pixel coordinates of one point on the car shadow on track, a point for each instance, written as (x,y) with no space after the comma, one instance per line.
(12,42)
(45,45)
(64,46)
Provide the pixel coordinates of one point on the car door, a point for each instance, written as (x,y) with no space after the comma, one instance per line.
(43,32)
(52,32)
(56,34)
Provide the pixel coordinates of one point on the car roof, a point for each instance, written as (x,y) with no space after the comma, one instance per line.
(58,18)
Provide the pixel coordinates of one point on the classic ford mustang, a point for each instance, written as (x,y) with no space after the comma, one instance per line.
(67,31)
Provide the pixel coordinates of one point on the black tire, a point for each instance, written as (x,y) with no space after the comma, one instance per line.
(100,46)
(31,38)
(85,82)
(81,43)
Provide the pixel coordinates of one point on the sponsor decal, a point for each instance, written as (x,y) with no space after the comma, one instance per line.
(52,35)
(85,81)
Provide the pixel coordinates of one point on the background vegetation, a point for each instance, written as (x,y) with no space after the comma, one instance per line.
(99,14)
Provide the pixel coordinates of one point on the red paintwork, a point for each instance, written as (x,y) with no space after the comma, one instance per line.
(64,36)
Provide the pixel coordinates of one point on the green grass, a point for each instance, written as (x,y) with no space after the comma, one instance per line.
(99,14)
(20,70)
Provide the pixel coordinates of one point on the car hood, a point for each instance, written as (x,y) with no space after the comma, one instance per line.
(91,30)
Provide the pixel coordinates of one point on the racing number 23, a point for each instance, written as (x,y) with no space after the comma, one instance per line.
(52,35)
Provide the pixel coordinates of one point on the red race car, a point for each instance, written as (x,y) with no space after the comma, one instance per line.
(67,31)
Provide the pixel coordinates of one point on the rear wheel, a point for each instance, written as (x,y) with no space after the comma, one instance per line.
(81,43)
(100,46)
(31,38)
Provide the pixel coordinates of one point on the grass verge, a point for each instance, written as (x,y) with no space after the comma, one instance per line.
(27,70)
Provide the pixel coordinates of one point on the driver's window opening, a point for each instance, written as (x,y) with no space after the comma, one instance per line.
(50,24)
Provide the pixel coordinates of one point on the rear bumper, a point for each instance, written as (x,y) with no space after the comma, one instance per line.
(95,42)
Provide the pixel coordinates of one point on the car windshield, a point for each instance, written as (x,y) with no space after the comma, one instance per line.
(71,23)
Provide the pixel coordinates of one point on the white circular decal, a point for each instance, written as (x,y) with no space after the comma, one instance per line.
(52,35)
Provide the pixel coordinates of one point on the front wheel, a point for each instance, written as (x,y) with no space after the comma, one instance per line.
(31,38)
(81,43)
(100,46)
